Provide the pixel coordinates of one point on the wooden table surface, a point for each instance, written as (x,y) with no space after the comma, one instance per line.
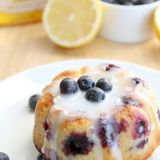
(23,47)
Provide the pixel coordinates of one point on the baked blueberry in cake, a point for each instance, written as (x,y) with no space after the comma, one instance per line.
(102,112)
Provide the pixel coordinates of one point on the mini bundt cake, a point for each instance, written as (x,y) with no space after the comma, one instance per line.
(97,113)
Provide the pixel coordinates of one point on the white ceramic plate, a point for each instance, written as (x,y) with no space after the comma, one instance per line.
(16,121)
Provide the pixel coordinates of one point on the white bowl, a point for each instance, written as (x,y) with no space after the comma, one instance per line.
(128,24)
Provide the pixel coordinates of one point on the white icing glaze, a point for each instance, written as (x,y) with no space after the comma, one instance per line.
(98,151)
(120,79)
(116,152)
(77,106)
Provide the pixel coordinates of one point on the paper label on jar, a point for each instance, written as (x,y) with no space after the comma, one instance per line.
(20,6)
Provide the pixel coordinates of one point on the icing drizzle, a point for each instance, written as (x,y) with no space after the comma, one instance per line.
(70,107)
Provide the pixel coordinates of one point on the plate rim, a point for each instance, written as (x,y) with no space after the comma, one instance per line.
(78,60)
(33,69)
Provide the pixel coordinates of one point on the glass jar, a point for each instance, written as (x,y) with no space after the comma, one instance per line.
(20,11)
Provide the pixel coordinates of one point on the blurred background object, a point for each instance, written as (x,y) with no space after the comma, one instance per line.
(129,23)
(73,23)
(157,22)
(27,46)
(20,11)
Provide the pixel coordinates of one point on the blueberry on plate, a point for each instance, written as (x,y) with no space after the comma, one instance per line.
(85,83)
(41,157)
(33,101)
(3,156)
(68,86)
(104,85)
(95,95)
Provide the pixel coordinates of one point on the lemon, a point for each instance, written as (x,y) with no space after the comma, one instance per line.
(72,23)
(157,22)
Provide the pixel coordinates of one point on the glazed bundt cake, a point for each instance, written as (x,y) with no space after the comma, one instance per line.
(97,113)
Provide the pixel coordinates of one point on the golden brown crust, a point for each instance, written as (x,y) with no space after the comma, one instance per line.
(71,73)
(42,110)
(64,74)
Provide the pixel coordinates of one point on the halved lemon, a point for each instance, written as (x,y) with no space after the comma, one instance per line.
(157,22)
(72,23)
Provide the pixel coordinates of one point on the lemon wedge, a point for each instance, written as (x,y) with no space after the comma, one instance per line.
(157,22)
(72,23)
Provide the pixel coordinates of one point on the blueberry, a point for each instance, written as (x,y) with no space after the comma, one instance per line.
(141,128)
(3,156)
(95,95)
(33,101)
(138,2)
(128,3)
(134,1)
(109,67)
(45,126)
(68,86)
(110,1)
(145,1)
(136,80)
(104,85)
(158,112)
(122,1)
(41,157)
(123,125)
(77,144)
(85,83)
(142,143)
